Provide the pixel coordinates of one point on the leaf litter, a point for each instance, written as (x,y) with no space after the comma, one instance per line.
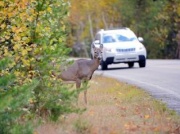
(116,108)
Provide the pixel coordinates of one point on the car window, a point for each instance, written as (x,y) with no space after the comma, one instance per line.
(119,37)
(125,38)
(108,39)
(97,37)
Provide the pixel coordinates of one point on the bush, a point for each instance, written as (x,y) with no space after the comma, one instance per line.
(32,38)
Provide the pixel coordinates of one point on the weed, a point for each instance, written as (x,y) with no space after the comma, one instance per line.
(115,107)
(82,126)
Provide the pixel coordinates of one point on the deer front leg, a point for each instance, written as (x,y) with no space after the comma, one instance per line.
(85,97)
(78,83)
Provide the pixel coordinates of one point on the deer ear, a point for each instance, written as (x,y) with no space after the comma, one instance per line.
(93,46)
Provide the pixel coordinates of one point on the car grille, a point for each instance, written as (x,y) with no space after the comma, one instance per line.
(126,50)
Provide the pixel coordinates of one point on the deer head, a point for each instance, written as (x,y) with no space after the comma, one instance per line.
(98,52)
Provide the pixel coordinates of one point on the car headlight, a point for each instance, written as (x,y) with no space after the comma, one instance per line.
(141,48)
(108,49)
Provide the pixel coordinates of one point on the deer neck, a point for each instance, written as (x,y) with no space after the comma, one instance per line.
(94,64)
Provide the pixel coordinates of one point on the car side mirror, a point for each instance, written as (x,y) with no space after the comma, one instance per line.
(140,39)
(97,42)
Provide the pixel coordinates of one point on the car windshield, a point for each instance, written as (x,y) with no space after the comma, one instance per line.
(118,37)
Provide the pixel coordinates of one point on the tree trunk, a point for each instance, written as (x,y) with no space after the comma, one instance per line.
(85,49)
(104,20)
(178,47)
(91,27)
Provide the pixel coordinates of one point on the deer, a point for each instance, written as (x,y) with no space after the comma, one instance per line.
(82,70)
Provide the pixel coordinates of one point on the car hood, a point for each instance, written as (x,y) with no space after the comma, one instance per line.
(123,45)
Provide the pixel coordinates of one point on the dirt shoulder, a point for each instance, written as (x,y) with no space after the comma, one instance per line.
(116,108)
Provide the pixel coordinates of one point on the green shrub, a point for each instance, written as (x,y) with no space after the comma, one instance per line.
(32,38)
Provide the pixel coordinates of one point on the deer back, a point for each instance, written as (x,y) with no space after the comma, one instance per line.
(82,68)
(86,68)
(70,73)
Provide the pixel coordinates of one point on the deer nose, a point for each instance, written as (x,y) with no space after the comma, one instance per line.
(100,57)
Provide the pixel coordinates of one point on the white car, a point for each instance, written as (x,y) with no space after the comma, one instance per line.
(120,46)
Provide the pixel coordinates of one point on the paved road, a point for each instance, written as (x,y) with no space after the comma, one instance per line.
(161,78)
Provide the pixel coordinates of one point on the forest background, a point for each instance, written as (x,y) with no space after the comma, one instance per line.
(36,36)
(157,21)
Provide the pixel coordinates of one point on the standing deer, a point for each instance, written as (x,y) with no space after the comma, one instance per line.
(82,69)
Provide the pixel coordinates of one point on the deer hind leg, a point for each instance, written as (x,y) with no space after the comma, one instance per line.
(85,83)
(78,85)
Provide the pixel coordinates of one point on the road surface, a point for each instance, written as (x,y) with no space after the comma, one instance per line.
(161,78)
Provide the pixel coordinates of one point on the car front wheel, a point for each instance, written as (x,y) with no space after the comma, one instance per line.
(91,56)
(142,63)
(103,65)
(131,64)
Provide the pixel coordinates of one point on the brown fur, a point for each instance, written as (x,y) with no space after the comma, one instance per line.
(82,70)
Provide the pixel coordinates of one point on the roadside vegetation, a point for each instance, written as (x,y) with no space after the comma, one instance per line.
(117,108)
(32,45)
(37,36)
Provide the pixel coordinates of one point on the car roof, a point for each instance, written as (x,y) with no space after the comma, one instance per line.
(124,31)
(114,30)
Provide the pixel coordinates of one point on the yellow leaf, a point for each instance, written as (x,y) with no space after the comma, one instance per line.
(16,46)
(63,28)
(2,3)
(49,84)
(12,64)
(146,116)
(17,38)
(30,18)
(127,126)
(24,52)
(49,9)
(91,113)
(52,48)
(24,28)
(6,52)
(27,80)
(31,101)
(178,10)
(2,39)
(17,73)
(26,62)
(29,49)
(32,10)
(35,132)
(7,37)
(3,26)
(119,93)
(10,14)
(32,59)
(24,38)
(22,15)
(14,28)
(17,58)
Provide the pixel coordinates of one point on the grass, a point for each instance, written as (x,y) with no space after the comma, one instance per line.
(116,108)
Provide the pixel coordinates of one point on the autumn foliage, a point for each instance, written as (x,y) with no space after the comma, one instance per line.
(157,21)
(117,108)
(32,38)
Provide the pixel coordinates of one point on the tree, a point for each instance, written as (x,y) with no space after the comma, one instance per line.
(156,21)
(86,18)
(32,37)
(167,29)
